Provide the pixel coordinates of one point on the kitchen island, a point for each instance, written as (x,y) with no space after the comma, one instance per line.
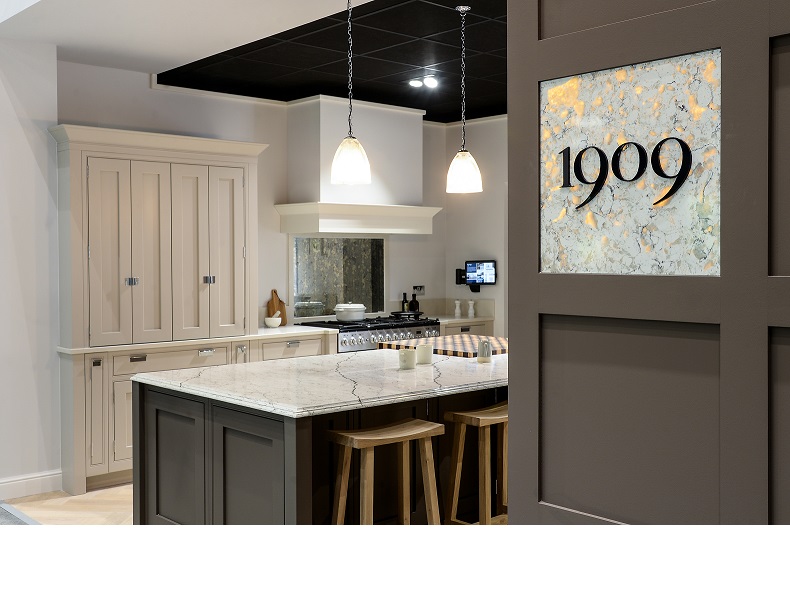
(247,443)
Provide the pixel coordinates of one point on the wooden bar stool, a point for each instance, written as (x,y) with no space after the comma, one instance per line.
(366,440)
(482,419)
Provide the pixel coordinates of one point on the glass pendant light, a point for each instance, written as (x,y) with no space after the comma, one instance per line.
(350,165)
(463,175)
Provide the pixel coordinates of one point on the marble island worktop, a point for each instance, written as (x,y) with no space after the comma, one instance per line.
(310,386)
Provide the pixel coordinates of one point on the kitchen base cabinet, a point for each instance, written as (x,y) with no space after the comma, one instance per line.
(202,463)
(248,472)
(174,461)
(482,329)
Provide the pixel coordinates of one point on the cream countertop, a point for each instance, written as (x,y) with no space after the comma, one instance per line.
(330,383)
(284,332)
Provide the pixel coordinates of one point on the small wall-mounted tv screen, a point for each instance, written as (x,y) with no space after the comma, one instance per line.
(481,272)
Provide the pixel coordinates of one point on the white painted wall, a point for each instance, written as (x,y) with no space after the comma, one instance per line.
(104,97)
(420,259)
(477,223)
(29,401)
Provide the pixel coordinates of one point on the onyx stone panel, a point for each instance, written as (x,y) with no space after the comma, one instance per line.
(780,426)
(629,419)
(558,17)
(780,155)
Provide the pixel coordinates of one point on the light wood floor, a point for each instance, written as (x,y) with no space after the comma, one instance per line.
(109,506)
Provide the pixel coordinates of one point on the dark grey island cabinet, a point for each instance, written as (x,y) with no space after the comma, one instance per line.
(206,463)
(249,443)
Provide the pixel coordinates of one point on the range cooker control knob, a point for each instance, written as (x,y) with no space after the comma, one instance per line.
(409,335)
(387,337)
(344,342)
(381,338)
(353,341)
(361,340)
(402,336)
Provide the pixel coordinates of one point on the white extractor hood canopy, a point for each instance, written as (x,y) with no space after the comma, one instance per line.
(391,204)
(305,218)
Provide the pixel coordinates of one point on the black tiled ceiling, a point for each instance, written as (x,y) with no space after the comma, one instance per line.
(394,41)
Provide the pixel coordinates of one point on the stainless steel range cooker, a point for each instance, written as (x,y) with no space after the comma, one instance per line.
(365,335)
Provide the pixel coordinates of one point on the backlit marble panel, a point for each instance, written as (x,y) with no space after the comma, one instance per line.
(621,231)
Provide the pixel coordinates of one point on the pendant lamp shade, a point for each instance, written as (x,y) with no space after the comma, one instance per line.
(350,165)
(463,176)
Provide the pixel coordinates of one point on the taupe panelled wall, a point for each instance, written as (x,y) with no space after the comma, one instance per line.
(642,399)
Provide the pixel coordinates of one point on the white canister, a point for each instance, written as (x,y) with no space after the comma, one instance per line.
(407,358)
(483,351)
(425,353)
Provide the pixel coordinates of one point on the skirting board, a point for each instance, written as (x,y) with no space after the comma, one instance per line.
(27,485)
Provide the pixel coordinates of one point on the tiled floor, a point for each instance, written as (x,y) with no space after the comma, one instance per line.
(109,506)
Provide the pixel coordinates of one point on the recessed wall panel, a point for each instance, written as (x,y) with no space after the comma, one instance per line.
(779,157)
(780,426)
(629,419)
(630,169)
(558,17)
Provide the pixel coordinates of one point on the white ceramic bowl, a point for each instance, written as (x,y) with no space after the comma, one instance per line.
(349,312)
(272,322)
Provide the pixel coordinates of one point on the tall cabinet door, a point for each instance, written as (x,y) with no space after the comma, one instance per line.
(152,306)
(226,222)
(121,426)
(190,234)
(110,252)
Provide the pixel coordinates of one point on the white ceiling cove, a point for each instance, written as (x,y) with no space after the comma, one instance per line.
(152,36)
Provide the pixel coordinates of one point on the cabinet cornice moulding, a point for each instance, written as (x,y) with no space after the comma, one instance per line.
(303,218)
(65,134)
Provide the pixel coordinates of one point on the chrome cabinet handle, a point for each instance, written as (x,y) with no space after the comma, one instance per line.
(97,363)
(241,348)
(137,358)
(292,344)
(132,281)
(204,352)
(210,280)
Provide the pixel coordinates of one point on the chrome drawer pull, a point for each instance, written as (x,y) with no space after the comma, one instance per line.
(242,348)
(204,352)
(209,279)
(137,358)
(97,363)
(292,344)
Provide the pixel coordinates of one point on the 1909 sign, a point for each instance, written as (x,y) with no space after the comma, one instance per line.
(603,172)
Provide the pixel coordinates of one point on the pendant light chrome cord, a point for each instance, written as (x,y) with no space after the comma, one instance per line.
(463,176)
(350,165)
(463,10)
(350,72)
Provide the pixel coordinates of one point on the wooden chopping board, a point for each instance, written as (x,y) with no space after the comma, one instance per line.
(274,304)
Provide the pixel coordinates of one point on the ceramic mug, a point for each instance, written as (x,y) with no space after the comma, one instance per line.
(424,353)
(407,358)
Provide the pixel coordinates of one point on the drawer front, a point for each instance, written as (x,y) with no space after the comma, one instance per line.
(479,329)
(295,348)
(137,363)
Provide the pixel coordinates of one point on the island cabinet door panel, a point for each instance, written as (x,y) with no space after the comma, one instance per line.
(190,237)
(248,469)
(226,224)
(152,317)
(174,469)
(121,426)
(109,252)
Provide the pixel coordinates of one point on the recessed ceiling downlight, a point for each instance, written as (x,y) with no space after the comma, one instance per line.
(415,83)
(430,81)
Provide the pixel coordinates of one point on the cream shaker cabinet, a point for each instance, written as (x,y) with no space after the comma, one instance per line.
(208,252)
(129,258)
(157,237)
